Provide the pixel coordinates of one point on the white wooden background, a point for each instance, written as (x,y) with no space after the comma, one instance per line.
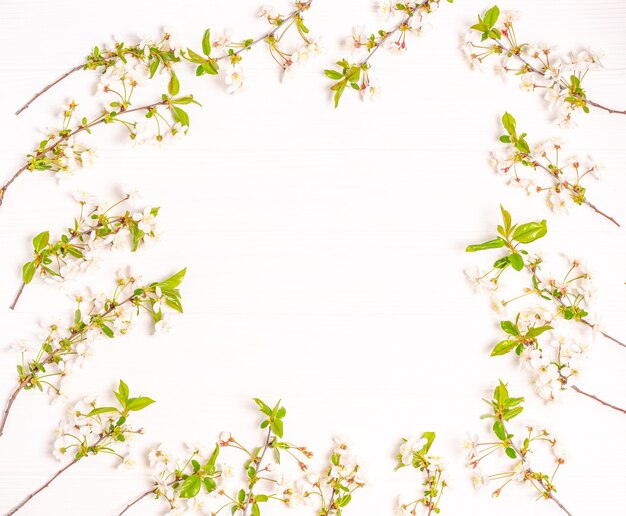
(325,251)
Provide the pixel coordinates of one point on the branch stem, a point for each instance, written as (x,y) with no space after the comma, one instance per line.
(595,398)
(35,493)
(57,81)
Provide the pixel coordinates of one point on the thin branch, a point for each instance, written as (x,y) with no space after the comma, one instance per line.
(609,110)
(9,404)
(17,296)
(257,466)
(136,500)
(37,95)
(595,398)
(35,493)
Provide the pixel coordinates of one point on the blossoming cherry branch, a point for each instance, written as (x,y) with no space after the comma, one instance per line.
(522,450)
(198,482)
(566,175)
(356,74)
(560,77)
(63,347)
(90,429)
(568,297)
(76,250)
(414,453)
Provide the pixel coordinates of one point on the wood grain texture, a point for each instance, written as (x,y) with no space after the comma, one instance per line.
(324,247)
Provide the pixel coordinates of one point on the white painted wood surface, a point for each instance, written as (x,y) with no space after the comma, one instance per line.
(325,251)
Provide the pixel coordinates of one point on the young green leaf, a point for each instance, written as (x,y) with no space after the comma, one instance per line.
(491,244)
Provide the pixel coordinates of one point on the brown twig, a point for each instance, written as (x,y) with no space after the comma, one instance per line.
(9,404)
(37,95)
(17,296)
(136,500)
(257,465)
(595,398)
(35,493)
(609,110)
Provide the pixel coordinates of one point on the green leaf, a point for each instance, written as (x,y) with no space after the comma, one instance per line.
(334,75)
(174,85)
(173,281)
(255,509)
(209,484)
(535,332)
(491,16)
(512,413)
(180,115)
(503,347)
(241,495)
(191,487)
(139,403)
(498,429)
(516,261)
(430,438)
(510,452)
(41,241)
(101,410)
(491,244)
(206,43)
(122,393)
(210,66)
(28,272)
(506,218)
(107,331)
(529,232)
(277,427)
(264,408)
(508,123)
(509,328)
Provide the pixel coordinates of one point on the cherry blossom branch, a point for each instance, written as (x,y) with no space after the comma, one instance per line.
(83,127)
(531,68)
(46,88)
(35,493)
(27,379)
(595,398)
(301,7)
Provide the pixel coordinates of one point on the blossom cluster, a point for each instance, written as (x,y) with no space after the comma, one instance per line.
(64,346)
(97,227)
(538,66)
(290,57)
(355,73)
(563,175)
(415,453)
(521,453)
(555,365)
(201,481)
(89,428)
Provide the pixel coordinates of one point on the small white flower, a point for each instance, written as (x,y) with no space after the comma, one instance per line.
(234,80)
